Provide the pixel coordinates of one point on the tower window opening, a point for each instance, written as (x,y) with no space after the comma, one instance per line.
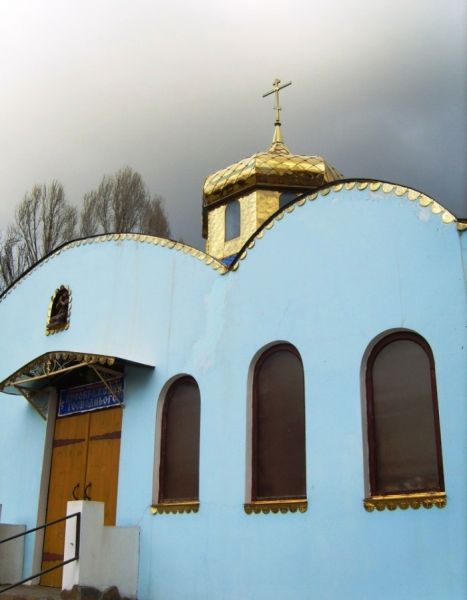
(286,197)
(232,220)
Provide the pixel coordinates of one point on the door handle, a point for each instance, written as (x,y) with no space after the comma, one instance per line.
(73,493)
(86,495)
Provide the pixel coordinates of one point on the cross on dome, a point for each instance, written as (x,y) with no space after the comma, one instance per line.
(276,87)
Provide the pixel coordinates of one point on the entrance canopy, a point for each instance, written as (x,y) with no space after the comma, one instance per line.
(53,369)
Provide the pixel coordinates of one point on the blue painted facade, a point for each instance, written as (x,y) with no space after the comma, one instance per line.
(330,277)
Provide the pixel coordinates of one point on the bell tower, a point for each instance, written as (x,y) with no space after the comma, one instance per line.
(237,200)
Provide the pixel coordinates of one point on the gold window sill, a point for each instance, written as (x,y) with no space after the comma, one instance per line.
(51,329)
(175,507)
(405,501)
(276,506)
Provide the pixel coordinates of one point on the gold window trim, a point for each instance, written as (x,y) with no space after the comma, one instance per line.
(50,329)
(276,506)
(405,501)
(165,508)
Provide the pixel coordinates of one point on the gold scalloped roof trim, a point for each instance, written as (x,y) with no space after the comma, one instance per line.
(117,237)
(274,167)
(374,186)
(360,185)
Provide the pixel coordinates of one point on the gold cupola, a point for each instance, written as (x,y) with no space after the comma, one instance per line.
(238,199)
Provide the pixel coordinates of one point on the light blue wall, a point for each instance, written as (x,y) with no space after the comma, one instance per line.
(22,435)
(464,254)
(328,278)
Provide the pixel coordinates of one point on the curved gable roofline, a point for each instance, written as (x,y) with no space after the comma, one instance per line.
(300,200)
(114,237)
(347,184)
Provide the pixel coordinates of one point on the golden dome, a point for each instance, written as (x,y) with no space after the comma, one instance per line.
(274,169)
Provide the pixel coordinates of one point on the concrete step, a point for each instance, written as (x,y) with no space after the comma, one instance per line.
(37,592)
(27,592)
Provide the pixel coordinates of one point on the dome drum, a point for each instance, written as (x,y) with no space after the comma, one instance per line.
(276,169)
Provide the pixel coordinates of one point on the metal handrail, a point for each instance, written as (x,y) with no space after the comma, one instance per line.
(59,566)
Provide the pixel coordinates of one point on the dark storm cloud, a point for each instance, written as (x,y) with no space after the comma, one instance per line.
(175,91)
(404,121)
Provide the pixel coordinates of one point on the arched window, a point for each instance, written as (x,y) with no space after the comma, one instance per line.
(232,220)
(179,457)
(278,420)
(402,412)
(59,310)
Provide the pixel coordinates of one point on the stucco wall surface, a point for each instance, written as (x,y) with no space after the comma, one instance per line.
(329,278)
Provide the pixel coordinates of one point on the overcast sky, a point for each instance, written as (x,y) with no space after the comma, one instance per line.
(174,90)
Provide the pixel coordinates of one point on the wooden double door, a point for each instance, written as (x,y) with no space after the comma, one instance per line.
(85,458)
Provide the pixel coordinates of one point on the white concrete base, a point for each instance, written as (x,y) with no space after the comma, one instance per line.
(108,555)
(11,553)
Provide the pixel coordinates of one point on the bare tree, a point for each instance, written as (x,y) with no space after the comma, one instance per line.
(123,204)
(43,221)
(155,220)
(12,258)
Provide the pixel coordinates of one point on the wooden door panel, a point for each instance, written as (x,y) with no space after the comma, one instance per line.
(85,457)
(67,474)
(103,460)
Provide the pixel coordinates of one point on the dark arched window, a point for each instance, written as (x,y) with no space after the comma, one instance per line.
(402,411)
(59,310)
(179,460)
(278,449)
(232,220)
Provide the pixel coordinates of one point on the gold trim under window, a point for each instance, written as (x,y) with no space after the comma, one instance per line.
(174,508)
(405,501)
(276,506)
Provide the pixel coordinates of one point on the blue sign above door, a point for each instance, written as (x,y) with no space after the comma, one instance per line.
(93,396)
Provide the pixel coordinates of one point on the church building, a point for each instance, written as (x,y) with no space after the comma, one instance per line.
(280,416)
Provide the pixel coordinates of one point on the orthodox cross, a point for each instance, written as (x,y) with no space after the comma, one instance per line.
(276,87)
